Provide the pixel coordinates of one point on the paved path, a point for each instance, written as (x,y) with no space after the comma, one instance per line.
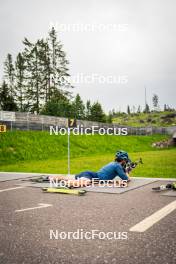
(27,236)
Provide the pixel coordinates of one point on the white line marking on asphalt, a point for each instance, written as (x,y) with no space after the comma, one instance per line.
(10,189)
(154,218)
(41,205)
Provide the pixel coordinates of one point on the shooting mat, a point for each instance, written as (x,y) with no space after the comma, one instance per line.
(134,184)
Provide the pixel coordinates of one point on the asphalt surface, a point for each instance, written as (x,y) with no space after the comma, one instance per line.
(25,236)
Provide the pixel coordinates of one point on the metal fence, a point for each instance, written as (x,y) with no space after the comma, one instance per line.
(28,121)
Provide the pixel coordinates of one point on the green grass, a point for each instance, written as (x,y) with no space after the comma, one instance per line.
(156,164)
(32,145)
(33,151)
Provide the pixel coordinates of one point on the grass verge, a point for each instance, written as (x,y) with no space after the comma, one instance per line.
(156,164)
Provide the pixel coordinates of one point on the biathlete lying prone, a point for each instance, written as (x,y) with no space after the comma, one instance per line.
(106,173)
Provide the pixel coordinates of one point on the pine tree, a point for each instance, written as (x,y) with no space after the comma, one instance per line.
(58,106)
(35,87)
(97,113)
(113,112)
(139,109)
(6,100)
(78,107)
(46,69)
(59,64)
(88,110)
(20,84)
(9,73)
(41,72)
(147,109)
(165,107)
(155,100)
(128,110)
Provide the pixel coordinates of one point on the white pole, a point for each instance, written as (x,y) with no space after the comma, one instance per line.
(68,150)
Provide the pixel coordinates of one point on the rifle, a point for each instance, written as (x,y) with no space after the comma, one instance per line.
(132,165)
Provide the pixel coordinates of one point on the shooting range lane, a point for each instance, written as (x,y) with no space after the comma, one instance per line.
(28,230)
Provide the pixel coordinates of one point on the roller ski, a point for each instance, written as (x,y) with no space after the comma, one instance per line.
(64,190)
(166,187)
(42,178)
